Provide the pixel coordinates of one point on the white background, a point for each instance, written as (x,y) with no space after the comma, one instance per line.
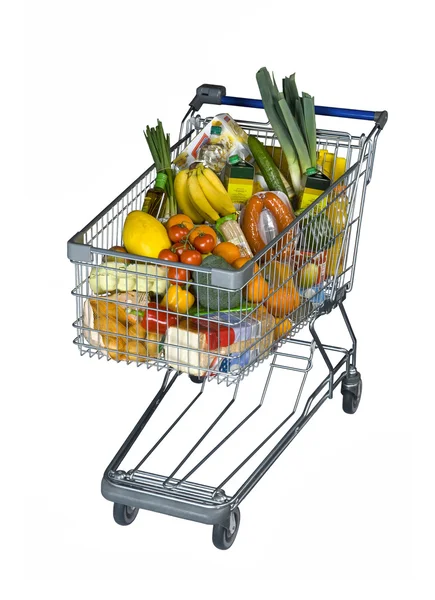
(347,511)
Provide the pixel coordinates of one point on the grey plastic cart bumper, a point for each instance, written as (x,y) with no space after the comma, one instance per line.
(209,514)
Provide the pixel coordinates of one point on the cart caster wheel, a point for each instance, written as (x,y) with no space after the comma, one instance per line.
(351,388)
(196,379)
(124,515)
(223,538)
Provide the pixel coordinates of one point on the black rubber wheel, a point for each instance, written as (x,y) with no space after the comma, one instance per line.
(223,538)
(196,379)
(124,515)
(351,388)
(350,402)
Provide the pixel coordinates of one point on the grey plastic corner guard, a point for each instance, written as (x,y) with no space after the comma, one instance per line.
(381,118)
(210,515)
(231,280)
(77,251)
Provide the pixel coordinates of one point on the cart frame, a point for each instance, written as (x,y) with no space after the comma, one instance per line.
(178,495)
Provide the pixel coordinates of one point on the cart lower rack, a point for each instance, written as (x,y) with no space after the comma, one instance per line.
(229,436)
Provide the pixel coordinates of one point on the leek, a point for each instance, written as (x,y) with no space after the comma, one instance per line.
(295,132)
(273,114)
(293,120)
(291,95)
(310,125)
(290,91)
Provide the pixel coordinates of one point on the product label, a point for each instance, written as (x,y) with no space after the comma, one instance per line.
(308,198)
(240,190)
(237,361)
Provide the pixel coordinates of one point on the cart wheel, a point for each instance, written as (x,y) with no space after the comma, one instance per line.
(223,538)
(124,515)
(196,379)
(351,388)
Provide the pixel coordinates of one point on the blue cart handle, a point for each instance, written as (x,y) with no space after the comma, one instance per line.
(216,94)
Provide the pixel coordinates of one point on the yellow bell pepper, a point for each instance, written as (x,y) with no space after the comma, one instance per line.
(178,300)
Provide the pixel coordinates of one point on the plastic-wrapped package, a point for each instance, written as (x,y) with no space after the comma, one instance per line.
(224,341)
(267,225)
(230,230)
(229,139)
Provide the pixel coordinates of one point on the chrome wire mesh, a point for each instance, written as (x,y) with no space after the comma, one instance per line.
(234,330)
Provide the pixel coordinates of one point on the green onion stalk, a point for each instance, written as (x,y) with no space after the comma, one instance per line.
(160,148)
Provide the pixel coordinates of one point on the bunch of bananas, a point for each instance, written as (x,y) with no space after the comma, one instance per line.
(201,195)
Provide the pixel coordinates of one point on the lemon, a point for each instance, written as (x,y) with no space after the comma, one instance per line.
(144,235)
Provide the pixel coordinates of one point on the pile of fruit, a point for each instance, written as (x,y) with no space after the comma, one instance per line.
(190,220)
(201,195)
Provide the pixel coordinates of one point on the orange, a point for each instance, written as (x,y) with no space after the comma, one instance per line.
(227,250)
(180,220)
(239,262)
(282,302)
(202,229)
(257,289)
(282,328)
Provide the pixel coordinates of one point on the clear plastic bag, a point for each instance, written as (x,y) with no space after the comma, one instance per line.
(267,225)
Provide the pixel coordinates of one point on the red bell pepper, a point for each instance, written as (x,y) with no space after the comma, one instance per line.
(156,318)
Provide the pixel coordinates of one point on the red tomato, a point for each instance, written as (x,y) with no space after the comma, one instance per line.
(204,242)
(168,255)
(179,248)
(191,257)
(177,232)
(178,275)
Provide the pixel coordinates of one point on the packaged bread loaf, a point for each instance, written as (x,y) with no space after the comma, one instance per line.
(114,329)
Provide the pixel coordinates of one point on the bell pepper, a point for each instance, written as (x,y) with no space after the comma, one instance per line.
(156,319)
(178,299)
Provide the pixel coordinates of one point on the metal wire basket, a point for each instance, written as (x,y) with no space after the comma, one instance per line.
(283,264)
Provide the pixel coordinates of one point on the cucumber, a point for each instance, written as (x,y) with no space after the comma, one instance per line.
(268,168)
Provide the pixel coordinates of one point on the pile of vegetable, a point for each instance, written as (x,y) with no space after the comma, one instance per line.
(160,148)
(203,226)
(293,121)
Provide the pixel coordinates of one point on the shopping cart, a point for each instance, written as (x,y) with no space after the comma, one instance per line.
(236,440)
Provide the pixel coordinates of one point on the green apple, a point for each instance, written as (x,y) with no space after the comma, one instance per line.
(308,275)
